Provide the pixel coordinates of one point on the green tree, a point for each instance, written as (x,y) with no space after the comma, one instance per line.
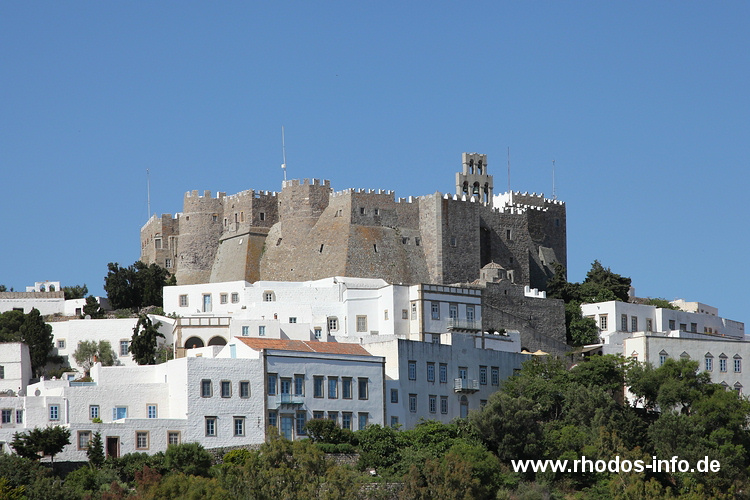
(92,308)
(41,441)
(95,451)
(37,334)
(143,343)
(605,278)
(75,292)
(189,458)
(10,326)
(136,286)
(3,288)
(88,351)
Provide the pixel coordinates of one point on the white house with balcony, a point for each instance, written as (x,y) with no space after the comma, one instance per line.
(218,396)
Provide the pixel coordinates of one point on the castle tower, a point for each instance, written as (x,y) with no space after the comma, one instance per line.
(201,226)
(473,179)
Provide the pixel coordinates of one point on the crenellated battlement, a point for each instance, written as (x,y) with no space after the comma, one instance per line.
(349,191)
(206,194)
(305,182)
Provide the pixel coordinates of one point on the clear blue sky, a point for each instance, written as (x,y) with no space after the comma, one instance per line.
(644,106)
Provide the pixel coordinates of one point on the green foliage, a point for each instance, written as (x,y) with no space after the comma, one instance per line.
(326,431)
(662,303)
(37,334)
(75,292)
(164,353)
(136,286)
(89,350)
(92,308)
(88,481)
(95,451)
(10,326)
(41,441)
(3,288)
(20,471)
(180,486)
(143,343)
(127,465)
(580,331)
(8,492)
(189,458)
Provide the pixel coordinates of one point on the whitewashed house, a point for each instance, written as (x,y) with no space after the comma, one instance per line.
(15,368)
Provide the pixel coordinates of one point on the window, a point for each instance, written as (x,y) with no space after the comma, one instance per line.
(723,364)
(346,388)
(738,388)
(319,415)
(223,298)
(435,338)
(244,389)
(19,416)
(694,327)
(346,420)
(431,372)
(168,263)
(413,403)
(394,421)
(435,308)
(417,240)
(482,403)
(269,296)
(239,426)
(385,315)
(662,358)
(333,387)
(362,421)
(54,412)
(333,416)
(683,327)
(7,416)
(737,364)
(301,420)
(292,319)
(394,395)
(262,216)
(299,385)
(483,375)
(317,387)
(2,372)
(453,311)
(672,324)
(495,375)
(376,211)
(173,437)
(226,389)
(206,388)
(602,321)
(433,403)
(363,384)
(453,241)
(261,330)
(61,344)
(318,332)
(119,412)
(84,438)
(211,426)
(141,440)
(245,331)
(634,324)
(412,370)
(272,417)
(93,411)
(151,411)
(709,363)
(183,300)
(272,384)
(404,240)
(207,303)
(404,314)
(124,347)
(333,324)
(362,211)
(443,373)
(624,323)
(414,310)
(649,325)
(157,243)
(470,313)
(235,297)
(444,404)
(361,323)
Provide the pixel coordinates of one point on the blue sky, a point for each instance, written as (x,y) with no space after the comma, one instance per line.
(643,106)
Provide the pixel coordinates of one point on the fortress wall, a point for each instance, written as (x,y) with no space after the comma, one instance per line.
(201,226)
(238,256)
(431,229)
(165,228)
(460,240)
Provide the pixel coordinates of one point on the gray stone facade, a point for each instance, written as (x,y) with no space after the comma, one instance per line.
(308,231)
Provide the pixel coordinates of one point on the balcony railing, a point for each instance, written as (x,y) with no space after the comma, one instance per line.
(286,399)
(465,385)
(463,324)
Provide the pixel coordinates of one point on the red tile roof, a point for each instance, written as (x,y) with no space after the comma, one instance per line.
(304,346)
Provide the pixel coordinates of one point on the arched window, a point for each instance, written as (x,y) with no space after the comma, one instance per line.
(466,187)
(217,340)
(471,166)
(479,167)
(193,342)
(475,191)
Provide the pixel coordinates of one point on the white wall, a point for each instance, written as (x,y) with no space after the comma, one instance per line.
(16,367)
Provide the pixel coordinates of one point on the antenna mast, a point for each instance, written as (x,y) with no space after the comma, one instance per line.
(554,195)
(509,169)
(148,192)
(283,152)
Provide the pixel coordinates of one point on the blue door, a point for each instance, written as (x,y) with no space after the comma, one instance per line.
(287,424)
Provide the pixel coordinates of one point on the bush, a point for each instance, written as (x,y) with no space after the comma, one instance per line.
(189,458)
(127,465)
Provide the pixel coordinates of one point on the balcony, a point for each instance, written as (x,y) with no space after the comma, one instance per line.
(465,385)
(285,400)
(464,324)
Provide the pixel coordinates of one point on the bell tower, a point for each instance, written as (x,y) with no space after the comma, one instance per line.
(473,179)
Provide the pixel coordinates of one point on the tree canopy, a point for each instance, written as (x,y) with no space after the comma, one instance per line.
(41,441)
(143,344)
(75,291)
(89,350)
(15,326)
(136,286)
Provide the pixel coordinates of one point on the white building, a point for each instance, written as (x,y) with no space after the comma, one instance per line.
(217,396)
(15,368)
(48,298)
(118,332)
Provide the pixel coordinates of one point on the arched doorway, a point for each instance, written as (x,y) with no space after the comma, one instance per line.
(217,340)
(193,342)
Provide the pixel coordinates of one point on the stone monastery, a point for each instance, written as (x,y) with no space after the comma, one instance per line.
(308,232)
